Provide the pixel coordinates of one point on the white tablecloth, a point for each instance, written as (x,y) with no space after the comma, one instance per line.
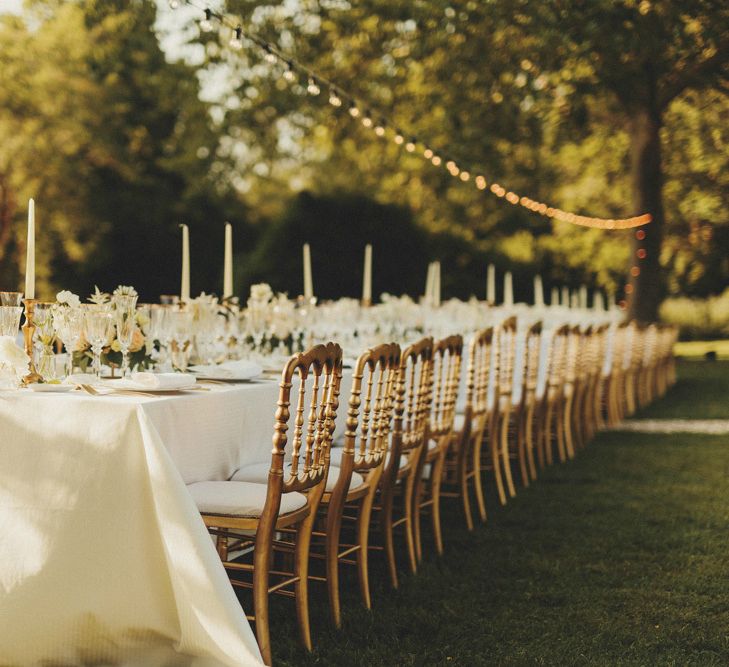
(103,555)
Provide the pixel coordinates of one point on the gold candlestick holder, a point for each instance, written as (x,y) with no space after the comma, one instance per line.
(28,333)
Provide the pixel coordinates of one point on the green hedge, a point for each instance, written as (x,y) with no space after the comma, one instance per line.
(698,319)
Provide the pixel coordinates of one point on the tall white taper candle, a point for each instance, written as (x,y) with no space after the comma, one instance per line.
(583,296)
(30,253)
(491,284)
(185,276)
(565,296)
(538,291)
(508,289)
(367,275)
(429,283)
(436,285)
(308,281)
(228,262)
(554,297)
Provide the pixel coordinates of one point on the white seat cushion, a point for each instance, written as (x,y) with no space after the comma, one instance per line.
(239,498)
(458,422)
(258,472)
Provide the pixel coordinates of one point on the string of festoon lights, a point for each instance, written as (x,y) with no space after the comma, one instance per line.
(384,128)
(640,254)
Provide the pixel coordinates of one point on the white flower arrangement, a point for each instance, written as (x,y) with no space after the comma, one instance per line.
(66,298)
(13,360)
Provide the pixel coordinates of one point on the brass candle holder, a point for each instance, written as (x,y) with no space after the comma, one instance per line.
(28,332)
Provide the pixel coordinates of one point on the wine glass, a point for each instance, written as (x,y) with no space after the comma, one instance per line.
(126,325)
(180,324)
(99,324)
(69,324)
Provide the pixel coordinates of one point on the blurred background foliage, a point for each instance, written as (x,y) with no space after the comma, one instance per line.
(120,140)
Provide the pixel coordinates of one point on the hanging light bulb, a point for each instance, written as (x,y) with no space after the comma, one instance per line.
(380,130)
(206,24)
(398,139)
(235,41)
(353,110)
(289,73)
(334,99)
(410,146)
(269,56)
(367,121)
(174,4)
(450,165)
(465,176)
(436,160)
(312,87)
(427,153)
(480,182)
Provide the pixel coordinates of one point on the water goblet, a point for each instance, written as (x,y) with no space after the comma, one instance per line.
(69,324)
(99,325)
(10,320)
(180,322)
(46,334)
(11,298)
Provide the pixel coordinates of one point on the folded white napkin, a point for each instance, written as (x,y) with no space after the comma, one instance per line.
(13,356)
(156,381)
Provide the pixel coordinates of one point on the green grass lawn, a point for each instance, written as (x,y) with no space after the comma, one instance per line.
(620,557)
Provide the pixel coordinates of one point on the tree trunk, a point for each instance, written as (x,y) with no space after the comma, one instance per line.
(647,288)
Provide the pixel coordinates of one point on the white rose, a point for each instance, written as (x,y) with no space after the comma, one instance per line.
(69,298)
(13,356)
(261,292)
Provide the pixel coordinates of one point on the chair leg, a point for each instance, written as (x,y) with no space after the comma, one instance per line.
(567,424)
(495,460)
(464,458)
(387,537)
(363,535)
(560,430)
(477,481)
(334,525)
(435,483)
(521,445)
(547,430)
(412,515)
(529,440)
(262,561)
(301,587)
(506,465)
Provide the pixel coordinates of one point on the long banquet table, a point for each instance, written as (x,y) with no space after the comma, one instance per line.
(103,555)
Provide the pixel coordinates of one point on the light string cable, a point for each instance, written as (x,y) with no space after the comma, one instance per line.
(383,127)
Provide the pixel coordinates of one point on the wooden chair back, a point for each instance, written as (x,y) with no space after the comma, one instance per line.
(319,374)
(413,398)
(532,353)
(557,362)
(372,405)
(447,361)
(506,348)
(478,376)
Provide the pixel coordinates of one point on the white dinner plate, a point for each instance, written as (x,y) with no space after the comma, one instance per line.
(227,373)
(51,388)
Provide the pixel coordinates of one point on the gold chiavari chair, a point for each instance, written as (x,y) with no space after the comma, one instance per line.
(616,388)
(362,459)
(552,406)
(528,403)
(463,462)
(580,413)
(287,504)
(446,374)
(499,437)
(407,442)
(633,356)
(600,378)
(646,378)
(574,343)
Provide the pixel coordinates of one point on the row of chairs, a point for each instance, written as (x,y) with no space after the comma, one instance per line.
(417,430)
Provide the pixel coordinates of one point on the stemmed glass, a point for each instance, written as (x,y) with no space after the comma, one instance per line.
(46,334)
(159,330)
(99,324)
(10,320)
(11,298)
(69,324)
(126,325)
(180,326)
